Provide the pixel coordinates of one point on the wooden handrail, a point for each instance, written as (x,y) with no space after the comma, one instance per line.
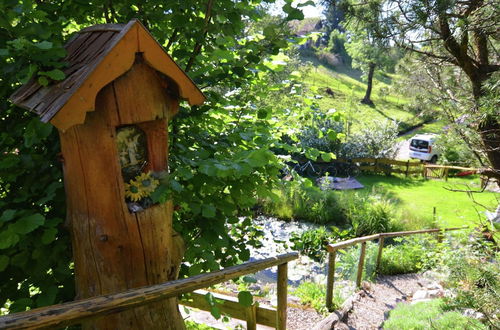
(76,311)
(333,248)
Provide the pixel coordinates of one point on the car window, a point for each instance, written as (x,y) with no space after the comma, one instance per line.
(421,144)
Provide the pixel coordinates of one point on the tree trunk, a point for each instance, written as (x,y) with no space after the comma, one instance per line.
(114,249)
(367,99)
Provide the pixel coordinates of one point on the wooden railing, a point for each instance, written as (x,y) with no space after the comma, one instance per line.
(74,312)
(333,248)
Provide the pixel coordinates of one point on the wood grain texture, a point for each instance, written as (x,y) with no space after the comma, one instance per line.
(91,308)
(231,307)
(282,292)
(330,280)
(361,264)
(115,250)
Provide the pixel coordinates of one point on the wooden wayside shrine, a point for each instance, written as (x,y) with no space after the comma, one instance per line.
(112,109)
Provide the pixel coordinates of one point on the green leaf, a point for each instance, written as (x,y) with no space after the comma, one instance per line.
(4,52)
(55,74)
(7,215)
(47,297)
(332,135)
(245,298)
(326,156)
(36,131)
(43,81)
(27,224)
(208,210)
(249,279)
(160,194)
(8,238)
(44,45)
(4,262)
(49,235)
(262,114)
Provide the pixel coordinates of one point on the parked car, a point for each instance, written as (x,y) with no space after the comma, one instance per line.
(422,147)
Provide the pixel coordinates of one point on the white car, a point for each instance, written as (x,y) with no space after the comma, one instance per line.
(422,147)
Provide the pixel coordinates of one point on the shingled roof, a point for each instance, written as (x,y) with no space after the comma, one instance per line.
(96,56)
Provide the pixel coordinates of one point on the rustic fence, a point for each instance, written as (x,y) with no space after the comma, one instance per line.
(66,314)
(333,248)
(390,166)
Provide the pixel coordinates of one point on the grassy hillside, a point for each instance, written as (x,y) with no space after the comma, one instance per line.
(349,89)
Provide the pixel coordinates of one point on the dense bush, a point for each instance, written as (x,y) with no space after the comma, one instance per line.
(368,214)
(312,242)
(376,140)
(301,200)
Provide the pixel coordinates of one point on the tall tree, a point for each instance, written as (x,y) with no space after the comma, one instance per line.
(462,34)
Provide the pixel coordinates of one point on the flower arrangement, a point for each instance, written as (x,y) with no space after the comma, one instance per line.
(139,190)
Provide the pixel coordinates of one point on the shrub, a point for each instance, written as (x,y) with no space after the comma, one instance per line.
(368,214)
(314,295)
(375,140)
(312,242)
(428,315)
(300,199)
(347,263)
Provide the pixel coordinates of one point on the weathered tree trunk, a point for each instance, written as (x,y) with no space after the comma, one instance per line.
(115,250)
(367,99)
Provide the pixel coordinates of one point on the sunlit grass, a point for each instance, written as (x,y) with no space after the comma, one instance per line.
(416,199)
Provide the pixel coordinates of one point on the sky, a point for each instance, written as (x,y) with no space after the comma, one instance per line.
(309,11)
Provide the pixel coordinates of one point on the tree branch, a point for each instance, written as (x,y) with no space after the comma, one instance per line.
(198,45)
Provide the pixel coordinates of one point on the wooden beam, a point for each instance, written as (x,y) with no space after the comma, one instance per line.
(361,264)
(379,255)
(73,312)
(282,296)
(350,242)
(230,306)
(330,281)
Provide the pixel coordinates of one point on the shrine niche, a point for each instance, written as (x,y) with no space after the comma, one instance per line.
(112,110)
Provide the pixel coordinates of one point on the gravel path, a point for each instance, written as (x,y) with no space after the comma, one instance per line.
(372,309)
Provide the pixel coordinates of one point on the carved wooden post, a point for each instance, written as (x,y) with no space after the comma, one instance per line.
(112,111)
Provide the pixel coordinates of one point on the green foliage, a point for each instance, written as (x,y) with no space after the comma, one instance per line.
(221,159)
(191,325)
(473,275)
(410,255)
(369,214)
(300,199)
(348,260)
(428,315)
(314,295)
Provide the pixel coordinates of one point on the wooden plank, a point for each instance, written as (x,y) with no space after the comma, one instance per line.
(74,312)
(361,264)
(282,287)
(251,317)
(344,244)
(424,231)
(330,281)
(367,168)
(230,306)
(379,255)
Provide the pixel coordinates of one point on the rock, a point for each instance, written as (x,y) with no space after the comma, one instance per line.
(420,300)
(434,286)
(420,294)
(435,293)
(469,312)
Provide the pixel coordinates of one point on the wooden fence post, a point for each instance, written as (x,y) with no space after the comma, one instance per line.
(361,264)
(330,279)
(251,316)
(379,255)
(282,296)
(407,168)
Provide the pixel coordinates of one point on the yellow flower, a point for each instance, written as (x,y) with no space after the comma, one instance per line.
(134,191)
(147,182)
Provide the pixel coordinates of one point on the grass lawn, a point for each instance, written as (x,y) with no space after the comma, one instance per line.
(417,197)
(349,90)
